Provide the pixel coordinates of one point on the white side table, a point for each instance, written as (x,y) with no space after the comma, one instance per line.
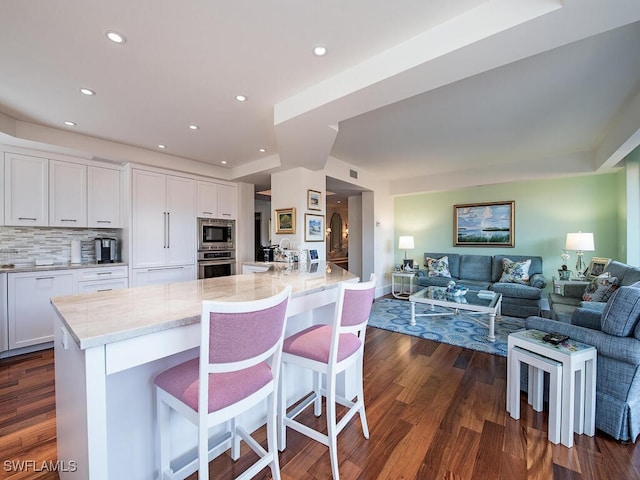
(578,380)
(399,287)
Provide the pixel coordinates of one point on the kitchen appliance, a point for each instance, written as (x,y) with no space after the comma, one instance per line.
(216,234)
(106,250)
(216,264)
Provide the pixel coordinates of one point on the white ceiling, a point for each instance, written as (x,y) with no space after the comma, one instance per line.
(427,94)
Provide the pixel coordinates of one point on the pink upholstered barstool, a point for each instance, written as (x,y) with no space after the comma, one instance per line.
(238,368)
(328,350)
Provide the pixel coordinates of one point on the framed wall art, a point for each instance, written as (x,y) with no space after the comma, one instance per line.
(286,220)
(314,199)
(313,227)
(484,224)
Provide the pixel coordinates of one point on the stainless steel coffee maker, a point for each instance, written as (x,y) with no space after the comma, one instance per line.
(106,250)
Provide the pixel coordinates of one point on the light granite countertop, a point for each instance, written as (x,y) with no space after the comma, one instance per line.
(30,267)
(104,317)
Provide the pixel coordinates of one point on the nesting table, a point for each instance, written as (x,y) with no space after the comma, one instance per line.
(572,367)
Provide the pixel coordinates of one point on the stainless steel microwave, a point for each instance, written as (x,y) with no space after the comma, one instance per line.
(216,234)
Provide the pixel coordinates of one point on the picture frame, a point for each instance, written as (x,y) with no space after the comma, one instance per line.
(313,227)
(490,224)
(286,220)
(407,264)
(314,200)
(313,255)
(597,266)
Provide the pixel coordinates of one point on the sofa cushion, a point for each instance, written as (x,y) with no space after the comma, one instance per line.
(475,267)
(438,267)
(454,261)
(601,288)
(622,312)
(517,290)
(515,271)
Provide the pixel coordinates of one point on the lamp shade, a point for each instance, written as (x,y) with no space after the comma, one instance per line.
(405,243)
(580,241)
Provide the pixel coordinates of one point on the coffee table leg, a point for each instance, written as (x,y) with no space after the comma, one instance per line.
(413,313)
(492,327)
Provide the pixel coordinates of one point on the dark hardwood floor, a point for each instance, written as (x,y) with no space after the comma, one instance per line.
(434,411)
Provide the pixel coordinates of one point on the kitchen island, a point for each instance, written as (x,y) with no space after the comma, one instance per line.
(110,345)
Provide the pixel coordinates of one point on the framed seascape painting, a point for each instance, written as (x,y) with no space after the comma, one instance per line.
(286,220)
(313,200)
(313,227)
(484,224)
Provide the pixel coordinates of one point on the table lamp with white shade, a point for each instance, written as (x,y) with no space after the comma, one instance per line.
(580,242)
(406,243)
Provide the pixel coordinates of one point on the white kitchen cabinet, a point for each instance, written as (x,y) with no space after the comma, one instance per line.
(216,200)
(1,189)
(100,279)
(30,315)
(67,194)
(160,275)
(26,190)
(163,222)
(4,328)
(103,197)
(227,201)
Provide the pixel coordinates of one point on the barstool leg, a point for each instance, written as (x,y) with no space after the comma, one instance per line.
(363,414)
(332,431)
(272,439)
(282,409)
(164,413)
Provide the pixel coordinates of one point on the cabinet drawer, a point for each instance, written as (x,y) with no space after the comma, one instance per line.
(102,273)
(102,285)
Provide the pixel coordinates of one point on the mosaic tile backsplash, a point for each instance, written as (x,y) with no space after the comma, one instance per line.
(22,245)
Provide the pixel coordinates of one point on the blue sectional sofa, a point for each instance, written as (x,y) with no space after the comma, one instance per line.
(615,332)
(483,272)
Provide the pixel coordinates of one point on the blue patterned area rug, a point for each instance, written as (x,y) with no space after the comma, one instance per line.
(395,315)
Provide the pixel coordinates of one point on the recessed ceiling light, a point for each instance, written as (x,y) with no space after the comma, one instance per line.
(87,91)
(162,146)
(241,98)
(115,37)
(70,123)
(223,162)
(194,127)
(262,150)
(319,50)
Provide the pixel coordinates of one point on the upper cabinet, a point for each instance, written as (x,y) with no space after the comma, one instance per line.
(26,190)
(216,200)
(103,197)
(53,192)
(67,194)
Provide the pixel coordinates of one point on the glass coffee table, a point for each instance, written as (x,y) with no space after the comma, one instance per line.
(466,305)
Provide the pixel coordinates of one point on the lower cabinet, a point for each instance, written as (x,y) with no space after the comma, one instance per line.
(30,315)
(141,277)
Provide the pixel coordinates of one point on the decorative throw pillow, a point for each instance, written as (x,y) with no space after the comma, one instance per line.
(601,288)
(515,272)
(438,267)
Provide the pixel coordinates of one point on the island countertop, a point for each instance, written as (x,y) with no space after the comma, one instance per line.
(105,317)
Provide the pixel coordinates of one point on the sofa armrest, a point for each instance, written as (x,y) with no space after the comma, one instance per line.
(574,290)
(586,317)
(624,349)
(538,280)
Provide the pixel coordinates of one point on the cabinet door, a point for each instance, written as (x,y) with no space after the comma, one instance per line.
(149,219)
(226,201)
(103,197)
(1,189)
(67,194)
(181,221)
(4,328)
(26,190)
(207,202)
(31,315)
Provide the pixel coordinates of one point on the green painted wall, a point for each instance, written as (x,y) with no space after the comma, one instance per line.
(545,210)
